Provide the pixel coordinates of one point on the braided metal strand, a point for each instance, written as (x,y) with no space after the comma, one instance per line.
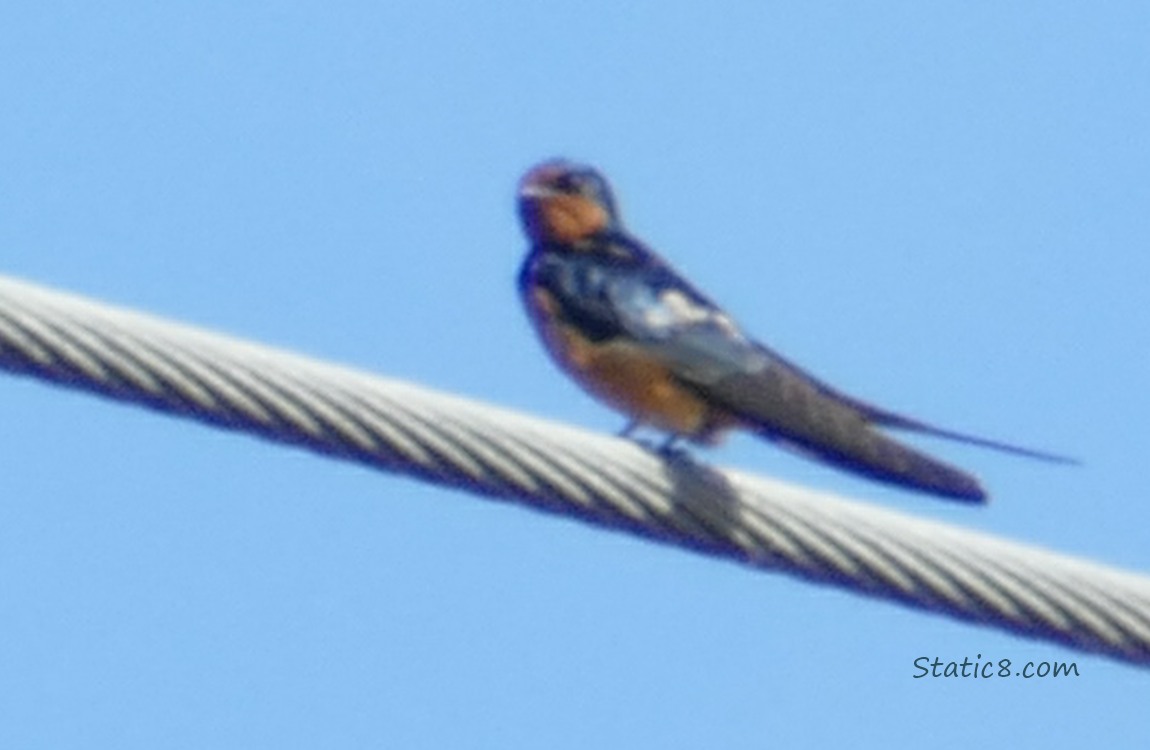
(405,428)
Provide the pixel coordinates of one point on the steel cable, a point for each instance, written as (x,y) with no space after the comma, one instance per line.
(608,481)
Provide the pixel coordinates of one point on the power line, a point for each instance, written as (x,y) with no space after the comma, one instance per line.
(611,482)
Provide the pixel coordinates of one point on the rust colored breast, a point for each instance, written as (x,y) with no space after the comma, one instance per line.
(626,377)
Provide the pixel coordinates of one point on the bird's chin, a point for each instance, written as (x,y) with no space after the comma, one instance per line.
(553,221)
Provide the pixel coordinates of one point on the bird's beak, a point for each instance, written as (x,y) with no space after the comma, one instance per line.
(535,191)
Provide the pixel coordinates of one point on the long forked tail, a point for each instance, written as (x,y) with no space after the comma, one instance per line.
(885,418)
(795,378)
(792,410)
(873,454)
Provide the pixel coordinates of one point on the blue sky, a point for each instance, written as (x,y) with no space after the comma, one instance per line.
(939,207)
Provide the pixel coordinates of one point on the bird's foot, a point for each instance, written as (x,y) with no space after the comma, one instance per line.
(669,448)
(628,430)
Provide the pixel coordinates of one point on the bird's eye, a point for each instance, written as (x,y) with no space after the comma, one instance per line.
(568,182)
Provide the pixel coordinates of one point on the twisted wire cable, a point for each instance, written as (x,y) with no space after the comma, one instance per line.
(607,481)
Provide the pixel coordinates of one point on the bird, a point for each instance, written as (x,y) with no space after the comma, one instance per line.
(635,334)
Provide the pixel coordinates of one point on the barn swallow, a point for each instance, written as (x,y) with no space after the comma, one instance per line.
(635,334)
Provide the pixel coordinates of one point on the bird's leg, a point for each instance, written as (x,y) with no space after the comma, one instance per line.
(629,429)
(668,448)
(672,451)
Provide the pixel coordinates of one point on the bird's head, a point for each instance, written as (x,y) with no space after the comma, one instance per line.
(562,202)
